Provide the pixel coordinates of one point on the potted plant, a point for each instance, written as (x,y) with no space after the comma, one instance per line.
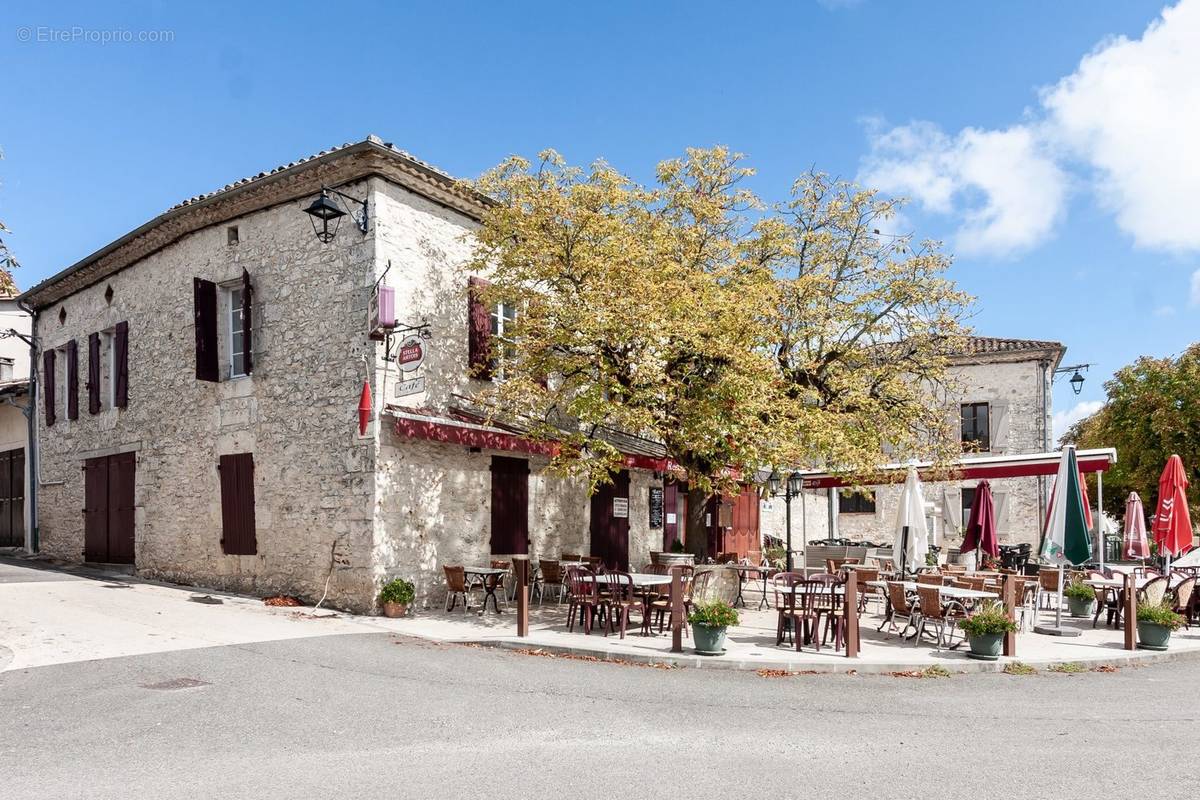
(709,621)
(1081,598)
(985,631)
(396,596)
(1154,625)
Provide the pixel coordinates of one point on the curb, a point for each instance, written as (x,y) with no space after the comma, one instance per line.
(684,660)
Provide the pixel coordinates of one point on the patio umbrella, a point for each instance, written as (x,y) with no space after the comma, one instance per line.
(911,531)
(1066,538)
(1172,522)
(980,535)
(1135,544)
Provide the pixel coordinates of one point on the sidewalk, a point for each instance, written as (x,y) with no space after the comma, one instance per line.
(752,645)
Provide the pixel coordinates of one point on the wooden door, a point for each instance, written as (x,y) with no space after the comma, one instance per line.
(510,506)
(610,522)
(734,525)
(12,498)
(108,514)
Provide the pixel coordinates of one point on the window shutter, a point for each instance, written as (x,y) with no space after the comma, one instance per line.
(479,332)
(998,432)
(205,295)
(121,359)
(93,384)
(247,326)
(48,384)
(237,504)
(1000,504)
(72,380)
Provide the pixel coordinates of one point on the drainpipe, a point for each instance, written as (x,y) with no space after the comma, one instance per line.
(32,467)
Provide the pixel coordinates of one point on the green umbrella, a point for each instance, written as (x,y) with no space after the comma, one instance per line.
(1065,538)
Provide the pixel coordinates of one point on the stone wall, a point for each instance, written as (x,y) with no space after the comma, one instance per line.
(314,490)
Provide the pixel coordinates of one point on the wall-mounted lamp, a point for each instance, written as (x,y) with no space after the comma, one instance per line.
(327,214)
(1077,379)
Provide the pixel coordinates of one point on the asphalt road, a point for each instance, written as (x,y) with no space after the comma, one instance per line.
(375,715)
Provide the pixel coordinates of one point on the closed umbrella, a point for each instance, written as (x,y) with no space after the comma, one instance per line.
(911,531)
(980,534)
(1066,538)
(1134,544)
(1172,522)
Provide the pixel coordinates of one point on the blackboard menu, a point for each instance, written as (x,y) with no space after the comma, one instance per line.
(656,507)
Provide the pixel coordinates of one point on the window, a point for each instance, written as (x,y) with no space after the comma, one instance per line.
(851,502)
(974,436)
(237,349)
(231,235)
(502,316)
(968,500)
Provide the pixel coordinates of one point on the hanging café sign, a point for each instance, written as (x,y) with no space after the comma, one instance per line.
(409,357)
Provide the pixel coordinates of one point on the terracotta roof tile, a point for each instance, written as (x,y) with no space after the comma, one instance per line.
(989,344)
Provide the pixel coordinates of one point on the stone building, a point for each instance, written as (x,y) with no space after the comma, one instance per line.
(16,529)
(202,379)
(1002,406)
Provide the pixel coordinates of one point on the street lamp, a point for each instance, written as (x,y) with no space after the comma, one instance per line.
(325,210)
(1076,380)
(791,488)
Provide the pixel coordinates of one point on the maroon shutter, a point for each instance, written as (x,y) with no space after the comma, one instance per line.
(72,380)
(93,382)
(48,385)
(670,504)
(121,357)
(237,505)
(205,303)
(247,327)
(510,506)
(479,331)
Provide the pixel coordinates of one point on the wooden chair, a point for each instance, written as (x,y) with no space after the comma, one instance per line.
(549,574)
(863,576)
(1048,587)
(660,606)
(456,586)
(933,610)
(930,579)
(899,606)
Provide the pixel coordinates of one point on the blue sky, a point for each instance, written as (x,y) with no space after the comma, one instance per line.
(1066,187)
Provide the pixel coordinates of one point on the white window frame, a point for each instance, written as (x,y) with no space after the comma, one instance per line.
(501,315)
(231,330)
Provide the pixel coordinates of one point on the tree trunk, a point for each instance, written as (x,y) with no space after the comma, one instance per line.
(697,531)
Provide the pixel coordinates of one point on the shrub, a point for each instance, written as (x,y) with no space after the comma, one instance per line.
(676,546)
(776,556)
(1160,614)
(991,619)
(717,614)
(397,590)
(1079,590)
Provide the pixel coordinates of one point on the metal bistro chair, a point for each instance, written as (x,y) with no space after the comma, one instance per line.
(456,586)
(933,610)
(550,573)
(1181,599)
(900,606)
(931,579)
(1154,592)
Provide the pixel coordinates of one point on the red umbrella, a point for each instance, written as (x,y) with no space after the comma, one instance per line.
(981,527)
(1172,523)
(364,409)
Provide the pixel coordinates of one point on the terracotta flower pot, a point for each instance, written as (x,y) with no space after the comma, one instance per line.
(394,610)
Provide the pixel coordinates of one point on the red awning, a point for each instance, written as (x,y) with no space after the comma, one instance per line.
(981,468)
(451,431)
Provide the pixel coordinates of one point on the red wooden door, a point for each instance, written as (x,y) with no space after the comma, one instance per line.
(510,506)
(734,525)
(610,522)
(108,518)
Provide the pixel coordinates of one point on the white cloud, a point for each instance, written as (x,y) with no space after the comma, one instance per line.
(1065,419)
(1132,112)
(1164,311)
(1125,123)
(1194,294)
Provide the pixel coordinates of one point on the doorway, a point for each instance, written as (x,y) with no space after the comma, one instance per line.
(610,522)
(108,483)
(12,498)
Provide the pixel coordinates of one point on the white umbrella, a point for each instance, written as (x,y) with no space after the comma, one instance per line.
(914,543)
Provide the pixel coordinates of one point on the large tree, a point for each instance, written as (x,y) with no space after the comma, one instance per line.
(1152,411)
(865,323)
(736,336)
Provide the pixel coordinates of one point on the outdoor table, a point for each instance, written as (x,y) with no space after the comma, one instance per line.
(489,587)
(953,592)
(742,571)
